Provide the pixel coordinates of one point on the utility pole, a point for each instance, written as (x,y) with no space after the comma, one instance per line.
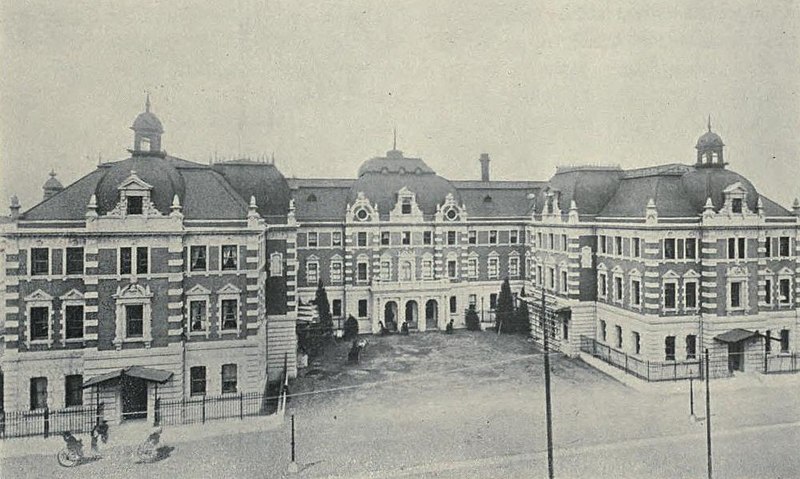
(548,405)
(691,397)
(293,465)
(708,418)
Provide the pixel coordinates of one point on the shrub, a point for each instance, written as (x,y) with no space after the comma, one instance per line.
(350,327)
(324,311)
(505,309)
(473,320)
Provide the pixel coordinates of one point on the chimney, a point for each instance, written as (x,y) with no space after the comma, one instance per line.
(15,207)
(484,166)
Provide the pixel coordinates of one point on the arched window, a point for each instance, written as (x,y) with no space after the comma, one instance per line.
(312,198)
(276,264)
(487,199)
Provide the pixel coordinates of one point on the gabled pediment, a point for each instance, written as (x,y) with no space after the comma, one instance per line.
(72,295)
(671,275)
(38,295)
(198,290)
(635,272)
(617,270)
(691,274)
(133,290)
(736,187)
(133,182)
(785,272)
(229,289)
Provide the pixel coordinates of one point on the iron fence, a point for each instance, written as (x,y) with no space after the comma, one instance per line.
(46,422)
(208,408)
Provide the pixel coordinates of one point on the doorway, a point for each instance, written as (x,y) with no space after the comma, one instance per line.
(390,316)
(412,313)
(736,356)
(431,314)
(134,398)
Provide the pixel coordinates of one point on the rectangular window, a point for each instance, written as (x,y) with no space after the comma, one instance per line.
(40,319)
(230,257)
(451,269)
(472,237)
(362,308)
(73,390)
(636,247)
(783,246)
(197,375)
(618,245)
(669,348)
(197,261)
(40,261)
(494,269)
(768,247)
(473,301)
(134,321)
(551,277)
(336,308)
(691,248)
(637,343)
(513,266)
(564,284)
(228,378)
(785,290)
(135,205)
(312,272)
(636,292)
(602,286)
(361,273)
(313,239)
(406,240)
(472,267)
(618,331)
(197,316)
(361,238)
(336,238)
(618,288)
(453,305)
(492,236)
(74,320)
(680,248)
(690,293)
(736,294)
(386,270)
(539,242)
(385,238)
(669,248)
(551,240)
(691,346)
(427,269)
(142,260)
(38,393)
(336,271)
(602,331)
(451,237)
(736,248)
(493,301)
(784,340)
(513,236)
(736,205)
(427,237)
(75,260)
(768,291)
(669,295)
(564,243)
(601,244)
(230,314)
(125,260)
(539,278)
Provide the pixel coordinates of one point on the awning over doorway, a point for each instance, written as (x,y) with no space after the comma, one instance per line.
(735,335)
(148,374)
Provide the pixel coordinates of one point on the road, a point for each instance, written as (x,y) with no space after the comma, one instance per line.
(473,419)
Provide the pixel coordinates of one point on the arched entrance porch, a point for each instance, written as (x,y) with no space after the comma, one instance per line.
(390,316)
(412,314)
(431,314)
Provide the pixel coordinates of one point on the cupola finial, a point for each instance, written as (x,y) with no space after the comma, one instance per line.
(709,122)
(394,143)
(147,102)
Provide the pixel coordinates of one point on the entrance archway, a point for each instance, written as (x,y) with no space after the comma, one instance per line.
(390,316)
(431,314)
(412,313)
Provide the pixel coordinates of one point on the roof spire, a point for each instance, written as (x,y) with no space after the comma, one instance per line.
(394,143)
(709,122)
(147,102)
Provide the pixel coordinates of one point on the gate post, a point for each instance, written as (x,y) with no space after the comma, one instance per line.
(46,422)
(204,408)
(157,411)
(241,409)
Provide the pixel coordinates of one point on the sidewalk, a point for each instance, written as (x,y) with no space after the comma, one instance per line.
(740,381)
(133,433)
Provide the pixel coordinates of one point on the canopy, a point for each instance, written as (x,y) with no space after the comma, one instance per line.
(735,335)
(148,374)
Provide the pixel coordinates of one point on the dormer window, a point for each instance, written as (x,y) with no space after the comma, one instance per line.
(406,206)
(135,205)
(736,205)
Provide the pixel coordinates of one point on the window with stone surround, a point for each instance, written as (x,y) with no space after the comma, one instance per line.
(784,246)
(691,346)
(230,314)
(385,238)
(197,381)
(40,261)
(73,315)
(313,239)
(669,348)
(785,290)
(493,269)
(362,308)
(198,258)
(230,258)
(690,294)
(73,390)
(670,295)
(39,317)
(737,248)
(229,378)
(336,271)
(336,238)
(427,237)
(361,239)
(74,261)
(312,272)
(38,393)
(513,266)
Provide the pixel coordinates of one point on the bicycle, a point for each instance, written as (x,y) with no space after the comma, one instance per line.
(72,454)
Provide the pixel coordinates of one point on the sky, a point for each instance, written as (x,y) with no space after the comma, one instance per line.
(536,84)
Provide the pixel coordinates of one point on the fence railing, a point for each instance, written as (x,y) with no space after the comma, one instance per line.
(46,422)
(208,408)
(767,363)
(643,369)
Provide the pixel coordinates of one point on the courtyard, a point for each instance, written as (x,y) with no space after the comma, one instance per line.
(472,405)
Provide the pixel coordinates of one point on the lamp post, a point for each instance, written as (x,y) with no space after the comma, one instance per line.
(708,418)
(548,405)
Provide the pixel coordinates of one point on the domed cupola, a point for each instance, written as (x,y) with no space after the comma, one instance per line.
(147,131)
(52,185)
(709,149)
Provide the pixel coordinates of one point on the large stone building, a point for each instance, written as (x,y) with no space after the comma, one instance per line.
(147,277)
(192,275)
